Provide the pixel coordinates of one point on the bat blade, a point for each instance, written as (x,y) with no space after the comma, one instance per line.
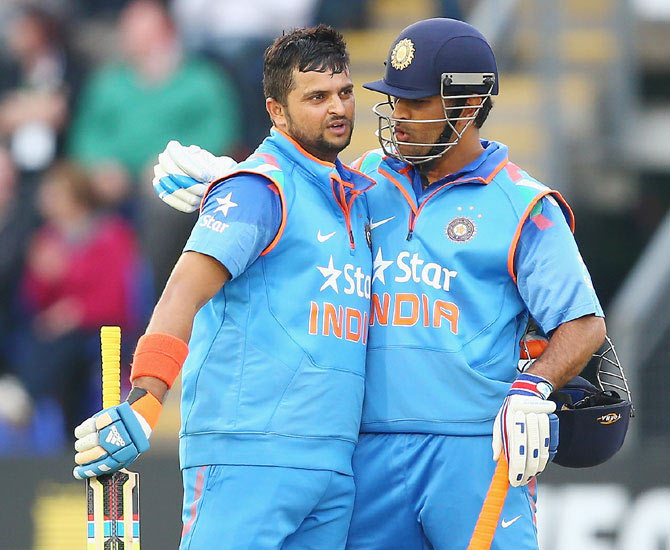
(113,512)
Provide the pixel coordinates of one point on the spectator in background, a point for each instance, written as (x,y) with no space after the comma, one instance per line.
(37,88)
(15,226)
(81,272)
(130,110)
(237,34)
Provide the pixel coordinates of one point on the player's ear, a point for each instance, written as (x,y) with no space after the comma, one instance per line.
(276,111)
(473,103)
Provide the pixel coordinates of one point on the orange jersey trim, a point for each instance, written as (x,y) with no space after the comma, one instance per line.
(522,221)
(282,225)
(400,187)
(279,191)
(302,151)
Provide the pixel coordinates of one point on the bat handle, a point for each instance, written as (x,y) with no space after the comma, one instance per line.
(485,529)
(110,346)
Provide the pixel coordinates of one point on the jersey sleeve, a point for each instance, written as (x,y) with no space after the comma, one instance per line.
(551,275)
(239,219)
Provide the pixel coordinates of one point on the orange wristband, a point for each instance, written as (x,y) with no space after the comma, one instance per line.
(160,356)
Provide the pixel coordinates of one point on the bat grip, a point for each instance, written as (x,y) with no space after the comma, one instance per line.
(110,347)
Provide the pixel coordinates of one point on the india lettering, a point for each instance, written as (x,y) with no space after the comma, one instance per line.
(340,322)
(408,309)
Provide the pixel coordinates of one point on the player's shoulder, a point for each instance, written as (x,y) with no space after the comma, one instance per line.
(519,187)
(369,161)
(243,189)
(245,183)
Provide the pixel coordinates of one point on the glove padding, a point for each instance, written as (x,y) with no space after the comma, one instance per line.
(109,441)
(183,174)
(522,429)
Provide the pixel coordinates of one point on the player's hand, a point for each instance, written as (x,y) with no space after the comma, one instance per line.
(110,440)
(183,174)
(522,429)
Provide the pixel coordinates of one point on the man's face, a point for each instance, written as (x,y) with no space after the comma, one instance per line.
(319,112)
(428,108)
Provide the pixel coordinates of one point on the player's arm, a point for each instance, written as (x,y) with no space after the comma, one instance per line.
(240,218)
(569,349)
(195,279)
(113,438)
(556,287)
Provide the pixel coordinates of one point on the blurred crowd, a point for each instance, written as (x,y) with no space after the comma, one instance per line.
(90,92)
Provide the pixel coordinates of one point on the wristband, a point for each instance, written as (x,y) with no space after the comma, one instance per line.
(146,404)
(531,384)
(160,356)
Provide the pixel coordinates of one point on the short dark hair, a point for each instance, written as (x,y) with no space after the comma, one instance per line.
(483,112)
(319,48)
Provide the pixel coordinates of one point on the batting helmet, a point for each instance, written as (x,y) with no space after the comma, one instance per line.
(442,57)
(593,420)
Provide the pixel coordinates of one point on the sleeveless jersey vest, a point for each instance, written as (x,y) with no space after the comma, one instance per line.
(275,375)
(446,315)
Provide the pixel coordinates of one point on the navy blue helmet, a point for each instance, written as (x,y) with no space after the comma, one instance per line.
(593,420)
(442,57)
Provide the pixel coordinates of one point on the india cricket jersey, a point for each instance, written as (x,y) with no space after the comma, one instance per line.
(275,373)
(451,291)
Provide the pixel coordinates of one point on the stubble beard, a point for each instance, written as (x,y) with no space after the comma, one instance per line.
(426,150)
(319,146)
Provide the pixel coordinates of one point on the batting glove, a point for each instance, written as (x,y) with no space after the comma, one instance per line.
(522,429)
(113,438)
(183,174)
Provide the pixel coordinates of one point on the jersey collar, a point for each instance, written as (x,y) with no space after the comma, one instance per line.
(481,170)
(323,171)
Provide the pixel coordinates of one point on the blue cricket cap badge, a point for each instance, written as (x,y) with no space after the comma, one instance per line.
(402,54)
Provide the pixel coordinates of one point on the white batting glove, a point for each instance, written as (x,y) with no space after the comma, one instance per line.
(521,428)
(183,174)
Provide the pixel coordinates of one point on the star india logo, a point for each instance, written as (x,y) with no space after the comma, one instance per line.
(461,229)
(402,54)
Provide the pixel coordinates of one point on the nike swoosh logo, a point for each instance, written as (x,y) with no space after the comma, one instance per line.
(377,224)
(506,524)
(323,238)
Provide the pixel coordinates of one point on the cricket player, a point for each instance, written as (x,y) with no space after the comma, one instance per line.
(473,245)
(272,296)
(466,246)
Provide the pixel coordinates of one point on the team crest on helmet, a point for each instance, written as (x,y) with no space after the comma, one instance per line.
(461,229)
(402,54)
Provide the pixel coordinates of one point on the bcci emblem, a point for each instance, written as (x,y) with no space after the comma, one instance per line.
(402,54)
(461,229)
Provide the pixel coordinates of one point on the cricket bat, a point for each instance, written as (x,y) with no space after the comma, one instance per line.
(113,501)
(485,529)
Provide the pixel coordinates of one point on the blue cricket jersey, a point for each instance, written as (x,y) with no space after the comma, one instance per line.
(456,272)
(275,372)
(248,208)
